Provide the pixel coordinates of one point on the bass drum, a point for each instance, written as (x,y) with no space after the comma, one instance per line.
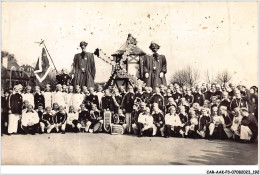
(107,120)
(96,127)
(117,129)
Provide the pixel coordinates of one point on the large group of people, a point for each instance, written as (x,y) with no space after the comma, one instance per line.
(209,111)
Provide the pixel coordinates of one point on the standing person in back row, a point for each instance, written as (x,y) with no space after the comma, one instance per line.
(155,67)
(15,102)
(83,67)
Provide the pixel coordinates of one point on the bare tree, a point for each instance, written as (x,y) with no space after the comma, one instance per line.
(178,77)
(209,77)
(224,76)
(192,75)
(186,76)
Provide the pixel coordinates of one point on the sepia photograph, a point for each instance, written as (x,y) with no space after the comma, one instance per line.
(129,83)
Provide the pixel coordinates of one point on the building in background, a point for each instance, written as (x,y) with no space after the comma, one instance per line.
(13,74)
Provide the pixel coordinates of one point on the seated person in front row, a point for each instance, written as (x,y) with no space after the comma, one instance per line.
(30,120)
(145,123)
(216,127)
(204,122)
(60,120)
(84,119)
(72,120)
(193,125)
(235,127)
(158,120)
(249,127)
(134,117)
(119,119)
(95,119)
(173,124)
(46,122)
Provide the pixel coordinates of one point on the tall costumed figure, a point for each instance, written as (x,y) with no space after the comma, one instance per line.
(83,68)
(154,67)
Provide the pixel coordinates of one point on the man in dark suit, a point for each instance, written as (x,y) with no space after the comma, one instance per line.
(63,78)
(155,68)
(15,102)
(84,69)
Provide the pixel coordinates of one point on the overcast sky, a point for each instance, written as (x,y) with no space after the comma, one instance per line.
(207,35)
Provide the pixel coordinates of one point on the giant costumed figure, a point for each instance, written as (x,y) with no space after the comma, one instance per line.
(83,68)
(154,68)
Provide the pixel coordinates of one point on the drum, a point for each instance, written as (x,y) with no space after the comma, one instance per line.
(96,127)
(117,129)
(107,120)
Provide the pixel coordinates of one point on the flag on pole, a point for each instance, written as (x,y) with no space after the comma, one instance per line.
(43,66)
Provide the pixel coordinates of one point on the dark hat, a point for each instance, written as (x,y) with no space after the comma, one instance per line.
(154,45)
(40,104)
(83,43)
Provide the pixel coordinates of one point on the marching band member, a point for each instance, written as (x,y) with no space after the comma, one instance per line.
(30,120)
(177,95)
(77,98)
(46,122)
(38,98)
(127,105)
(170,103)
(60,120)
(204,122)
(217,125)
(238,101)
(4,112)
(40,111)
(117,97)
(225,101)
(145,123)
(84,119)
(15,110)
(69,98)
(173,123)
(157,98)
(228,120)
(25,105)
(189,97)
(100,94)
(146,95)
(183,117)
(107,102)
(198,96)
(135,113)
(58,96)
(63,78)
(96,119)
(55,108)
(158,120)
(249,126)
(72,120)
(119,119)
(48,95)
(139,92)
(85,91)
(91,99)
(193,125)
(167,95)
(235,127)
(28,95)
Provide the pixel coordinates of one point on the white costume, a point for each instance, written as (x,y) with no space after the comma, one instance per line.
(29,97)
(48,98)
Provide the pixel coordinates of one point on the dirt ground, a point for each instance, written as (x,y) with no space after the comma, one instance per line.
(106,149)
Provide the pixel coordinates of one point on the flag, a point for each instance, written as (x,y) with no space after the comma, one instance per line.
(43,66)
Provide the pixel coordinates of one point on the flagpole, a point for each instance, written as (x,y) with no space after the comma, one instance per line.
(42,42)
